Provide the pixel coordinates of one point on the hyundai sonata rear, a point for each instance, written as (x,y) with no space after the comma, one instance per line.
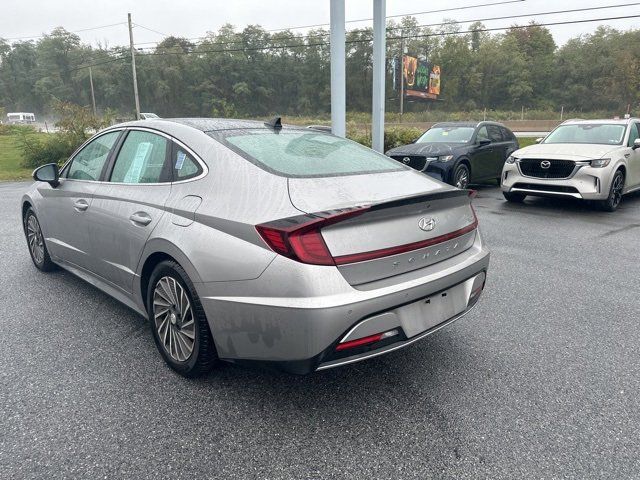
(284,246)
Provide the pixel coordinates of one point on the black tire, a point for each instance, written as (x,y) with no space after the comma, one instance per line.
(515,197)
(461,176)
(612,202)
(203,356)
(35,242)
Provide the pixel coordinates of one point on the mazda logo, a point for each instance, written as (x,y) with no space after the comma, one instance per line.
(546,164)
(406,160)
(427,224)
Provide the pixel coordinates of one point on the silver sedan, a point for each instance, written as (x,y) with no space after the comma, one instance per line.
(259,243)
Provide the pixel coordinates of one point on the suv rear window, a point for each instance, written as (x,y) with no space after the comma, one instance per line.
(301,153)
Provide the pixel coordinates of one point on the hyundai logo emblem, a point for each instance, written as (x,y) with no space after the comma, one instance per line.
(427,224)
(406,160)
(546,164)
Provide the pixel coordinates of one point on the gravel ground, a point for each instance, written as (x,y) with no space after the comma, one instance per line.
(541,380)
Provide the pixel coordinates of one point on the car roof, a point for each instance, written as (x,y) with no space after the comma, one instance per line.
(618,121)
(466,124)
(202,124)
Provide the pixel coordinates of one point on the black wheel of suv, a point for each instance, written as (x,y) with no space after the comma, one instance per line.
(35,241)
(461,176)
(615,193)
(516,197)
(178,321)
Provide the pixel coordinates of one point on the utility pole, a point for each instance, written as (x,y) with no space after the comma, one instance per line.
(338,77)
(379,70)
(93,95)
(133,67)
(401,76)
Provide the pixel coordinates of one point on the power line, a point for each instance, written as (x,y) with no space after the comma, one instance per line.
(73,31)
(506,17)
(75,69)
(451,9)
(514,27)
(306,45)
(151,30)
(524,15)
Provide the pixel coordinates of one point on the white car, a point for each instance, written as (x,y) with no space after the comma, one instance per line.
(596,160)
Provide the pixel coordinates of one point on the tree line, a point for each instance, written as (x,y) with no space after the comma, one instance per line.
(253,72)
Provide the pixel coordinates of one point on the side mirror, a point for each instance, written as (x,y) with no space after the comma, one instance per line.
(48,173)
(538,140)
(636,143)
(484,142)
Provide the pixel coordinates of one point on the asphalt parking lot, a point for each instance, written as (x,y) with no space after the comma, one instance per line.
(541,380)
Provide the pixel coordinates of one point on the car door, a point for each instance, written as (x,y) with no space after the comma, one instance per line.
(500,145)
(481,155)
(66,209)
(633,158)
(129,205)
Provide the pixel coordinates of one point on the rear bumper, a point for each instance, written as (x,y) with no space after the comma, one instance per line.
(304,311)
(586,183)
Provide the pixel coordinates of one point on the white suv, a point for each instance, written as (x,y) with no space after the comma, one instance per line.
(588,159)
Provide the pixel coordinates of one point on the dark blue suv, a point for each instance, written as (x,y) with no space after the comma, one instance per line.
(460,153)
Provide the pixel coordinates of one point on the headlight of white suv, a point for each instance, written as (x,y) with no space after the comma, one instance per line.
(445,158)
(511,159)
(600,163)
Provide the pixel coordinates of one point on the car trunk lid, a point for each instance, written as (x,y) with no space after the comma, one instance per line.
(410,222)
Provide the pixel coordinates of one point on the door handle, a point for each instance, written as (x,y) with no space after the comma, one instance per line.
(140,218)
(80,205)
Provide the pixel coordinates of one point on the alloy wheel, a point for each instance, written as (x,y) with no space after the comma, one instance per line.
(34,237)
(462,178)
(173,317)
(616,190)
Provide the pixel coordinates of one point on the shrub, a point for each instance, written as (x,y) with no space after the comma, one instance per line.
(9,129)
(393,137)
(76,125)
(54,148)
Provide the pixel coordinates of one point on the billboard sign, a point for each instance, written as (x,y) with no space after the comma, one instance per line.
(421,80)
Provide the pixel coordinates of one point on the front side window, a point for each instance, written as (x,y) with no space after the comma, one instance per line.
(451,134)
(142,159)
(296,153)
(483,134)
(593,133)
(89,162)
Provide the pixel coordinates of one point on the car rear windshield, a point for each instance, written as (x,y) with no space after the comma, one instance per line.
(301,153)
(597,133)
(447,135)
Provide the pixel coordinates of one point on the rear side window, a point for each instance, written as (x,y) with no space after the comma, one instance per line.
(89,162)
(494,133)
(295,153)
(507,134)
(142,159)
(183,164)
(633,134)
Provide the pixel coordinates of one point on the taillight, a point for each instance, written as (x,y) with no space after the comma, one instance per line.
(299,238)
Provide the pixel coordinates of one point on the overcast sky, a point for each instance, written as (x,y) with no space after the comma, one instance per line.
(193,18)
